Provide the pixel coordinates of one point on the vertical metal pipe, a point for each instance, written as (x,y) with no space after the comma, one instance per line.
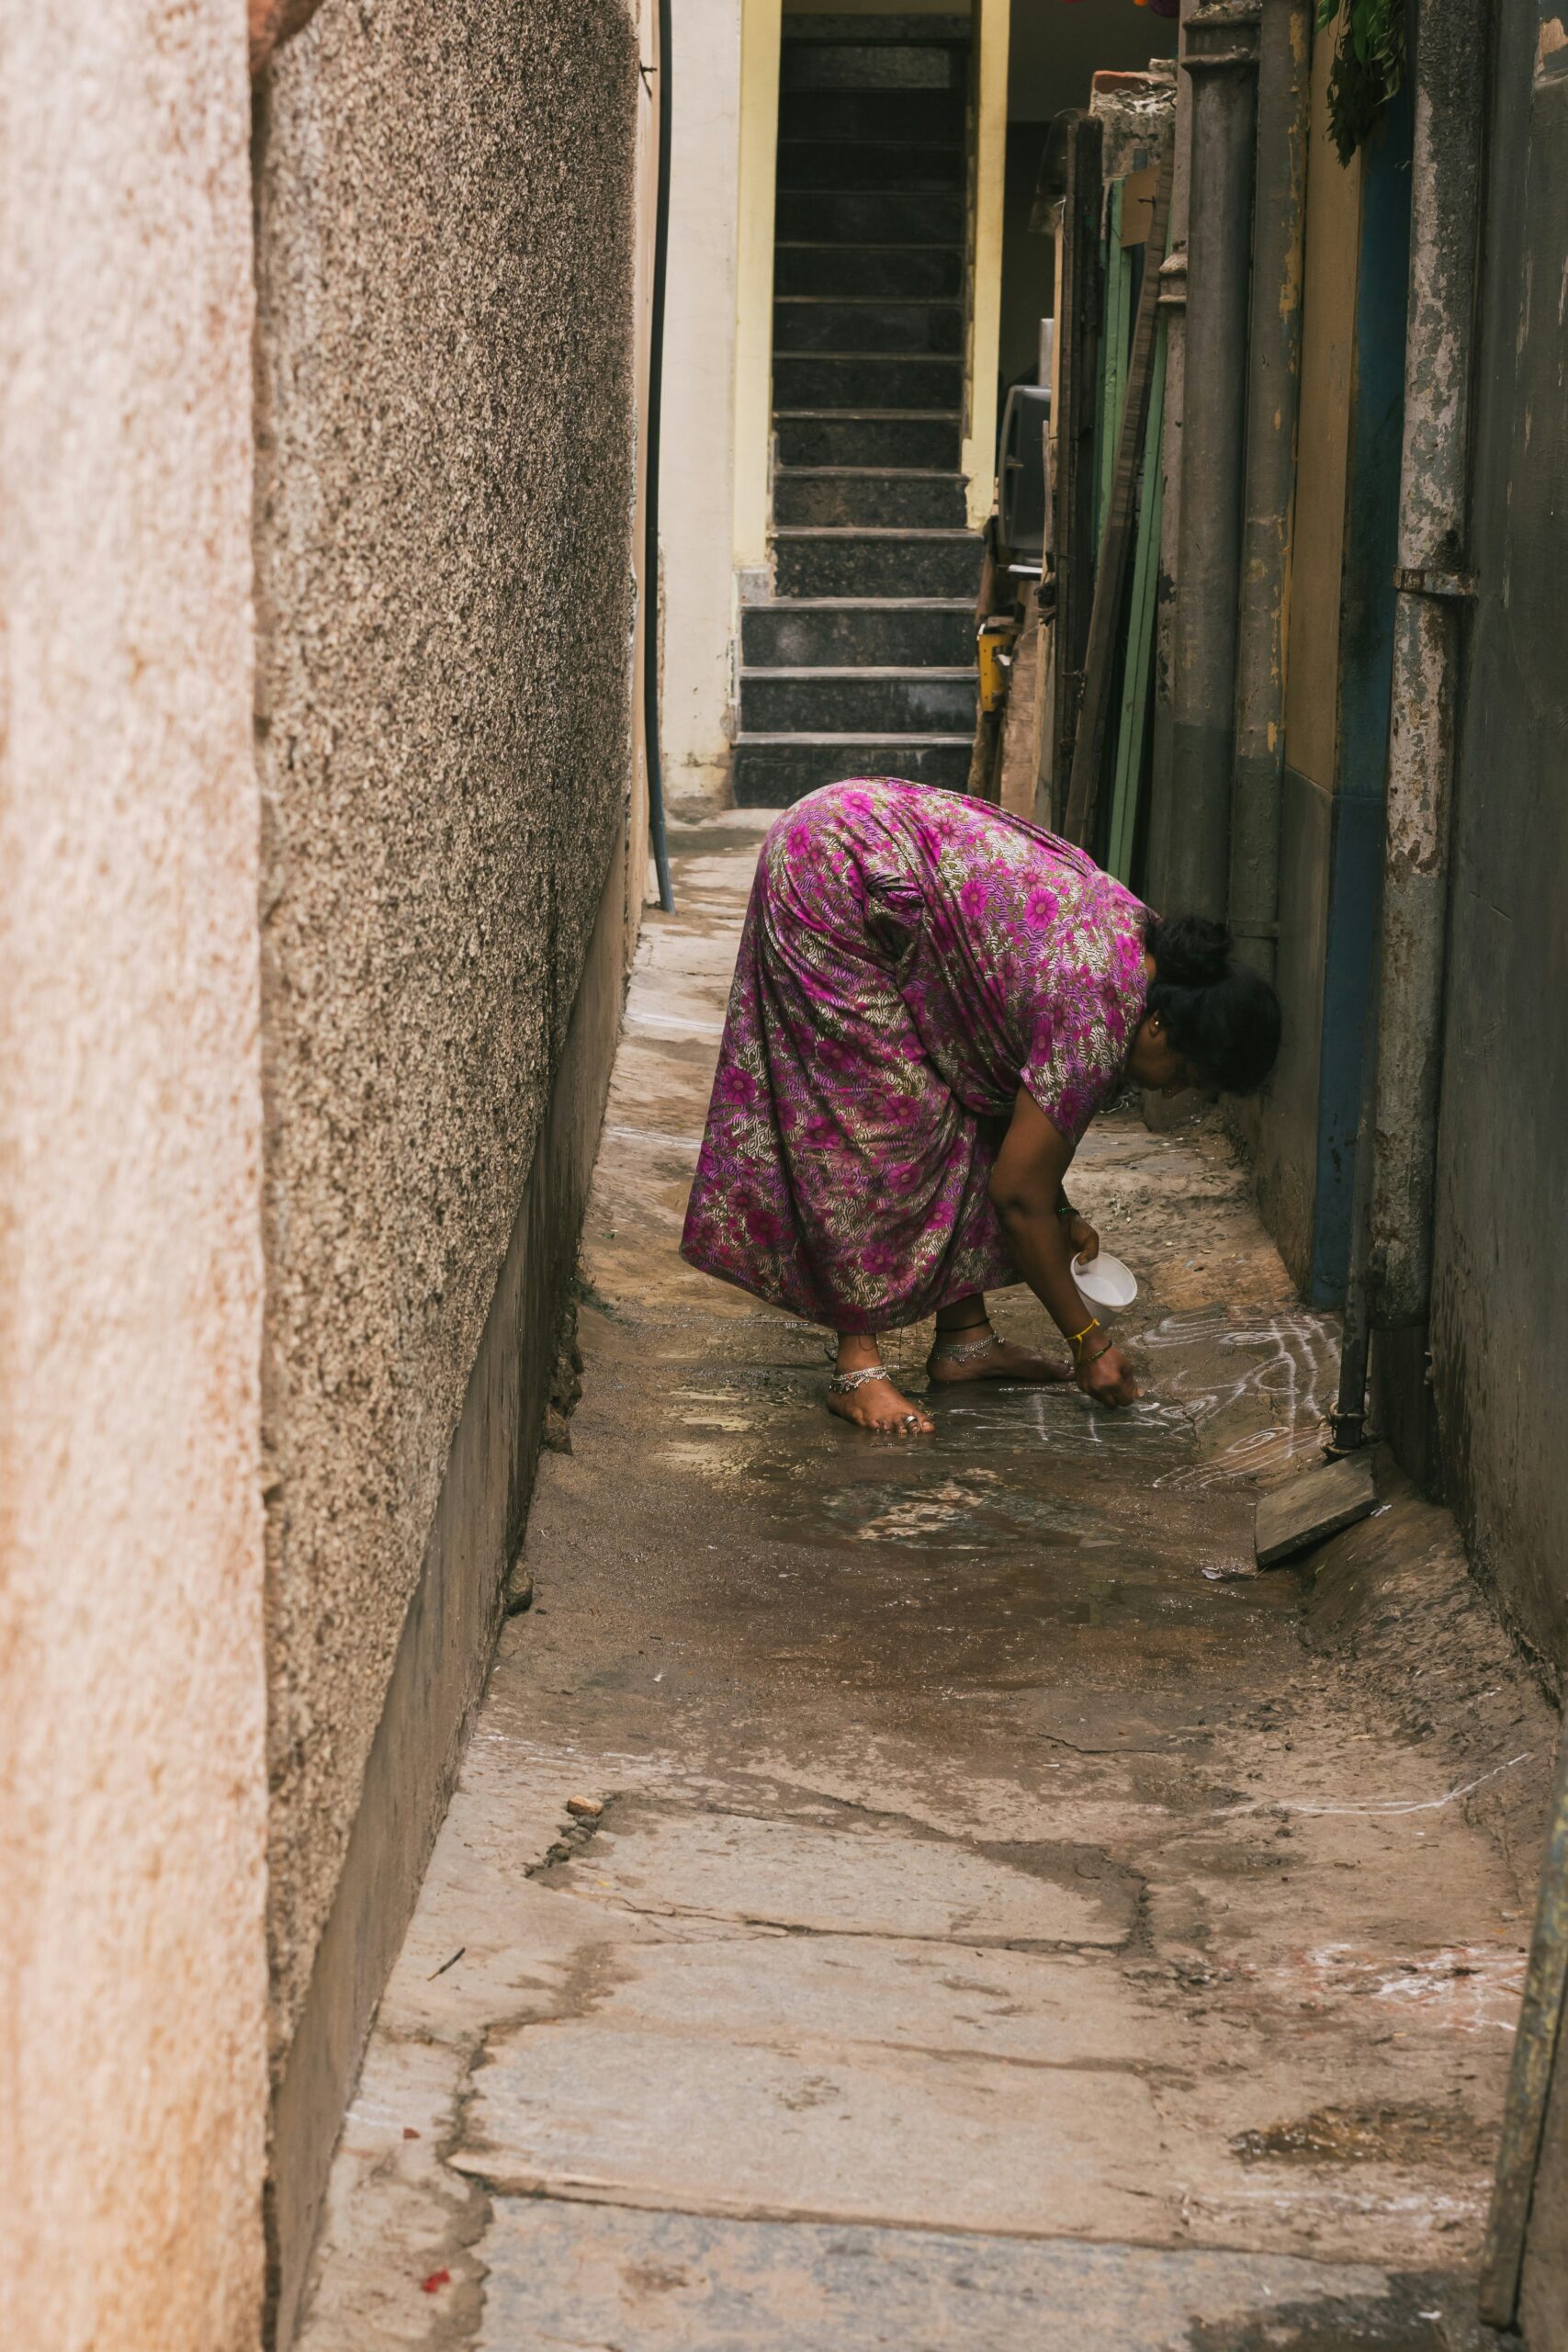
(651,665)
(1431,585)
(1273,390)
(1173,310)
(1220,63)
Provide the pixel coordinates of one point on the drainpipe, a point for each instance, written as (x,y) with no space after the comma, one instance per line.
(1432,585)
(1284,96)
(652,739)
(1219,59)
(1173,311)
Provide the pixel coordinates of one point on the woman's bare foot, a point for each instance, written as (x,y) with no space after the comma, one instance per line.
(873,1402)
(1001,1360)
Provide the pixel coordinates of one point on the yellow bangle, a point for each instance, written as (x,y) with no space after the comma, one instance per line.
(1076,1339)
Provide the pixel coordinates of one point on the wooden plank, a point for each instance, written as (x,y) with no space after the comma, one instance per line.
(1313,1506)
(1137,668)
(1018,745)
(1088,753)
(1072,535)
(1538,2055)
(1138,190)
(1116,267)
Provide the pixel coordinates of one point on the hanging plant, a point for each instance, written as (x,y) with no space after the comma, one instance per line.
(1369,66)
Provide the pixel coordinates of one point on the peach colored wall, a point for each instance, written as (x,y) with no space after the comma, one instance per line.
(133,1980)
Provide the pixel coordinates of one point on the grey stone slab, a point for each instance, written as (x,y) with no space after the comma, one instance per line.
(869,271)
(882,380)
(875,496)
(771,770)
(594,2279)
(858,700)
(834,163)
(836,437)
(894,216)
(829,322)
(836,632)
(699,2120)
(829,562)
(870,1880)
(1035,2009)
(915,115)
(813,32)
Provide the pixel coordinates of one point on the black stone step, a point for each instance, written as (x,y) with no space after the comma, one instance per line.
(818,25)
(809,323)
(876,563)
(931,439)
(866,217)
(865,380)
(870,273)
(915,116)
(771,771)
(859,701)
(807,66)
(836,163)
(835,632)
(870,495)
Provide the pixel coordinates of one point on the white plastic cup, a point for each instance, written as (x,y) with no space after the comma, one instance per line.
(1105,1281)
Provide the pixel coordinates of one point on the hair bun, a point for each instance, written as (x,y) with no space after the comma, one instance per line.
(1190,952)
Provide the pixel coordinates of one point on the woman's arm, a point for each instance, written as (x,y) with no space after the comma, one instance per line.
(1026,1191)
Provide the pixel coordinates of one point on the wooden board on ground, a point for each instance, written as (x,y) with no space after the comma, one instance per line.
(1311,1506)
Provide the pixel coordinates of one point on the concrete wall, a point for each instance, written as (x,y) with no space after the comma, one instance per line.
(445,224)
(1500,1301)
(132,1788)
(696,474)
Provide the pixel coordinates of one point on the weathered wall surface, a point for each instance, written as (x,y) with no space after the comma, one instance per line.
(132,1787)
(1500,1296)
(445,462)
(1284,1125)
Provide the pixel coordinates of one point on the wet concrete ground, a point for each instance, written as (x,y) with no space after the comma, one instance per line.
(934,1894)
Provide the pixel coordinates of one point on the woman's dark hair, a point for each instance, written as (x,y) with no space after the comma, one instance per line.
(1219,1014)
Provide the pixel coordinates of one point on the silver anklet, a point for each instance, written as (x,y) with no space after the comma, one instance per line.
(843,1382)
(969,1353)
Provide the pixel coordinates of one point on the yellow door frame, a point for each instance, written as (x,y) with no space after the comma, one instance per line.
(762,24)
(760,32)
(992,23)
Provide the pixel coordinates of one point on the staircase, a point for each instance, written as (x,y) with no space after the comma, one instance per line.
(861,662)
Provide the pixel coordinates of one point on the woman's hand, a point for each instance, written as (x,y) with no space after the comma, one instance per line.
(1081,1234)
(1107,1378)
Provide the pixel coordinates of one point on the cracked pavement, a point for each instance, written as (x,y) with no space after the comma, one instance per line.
(1010,1918)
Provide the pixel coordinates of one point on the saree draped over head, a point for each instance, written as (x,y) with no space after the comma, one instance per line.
(910,959)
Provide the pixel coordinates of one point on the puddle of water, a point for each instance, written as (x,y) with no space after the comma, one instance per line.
(1412,2133)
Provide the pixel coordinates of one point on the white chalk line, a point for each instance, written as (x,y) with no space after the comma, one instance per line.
(1394,1804)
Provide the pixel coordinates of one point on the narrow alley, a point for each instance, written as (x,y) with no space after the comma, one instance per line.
(940,1894)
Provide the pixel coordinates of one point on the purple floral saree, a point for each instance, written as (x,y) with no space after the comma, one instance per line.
(910,958)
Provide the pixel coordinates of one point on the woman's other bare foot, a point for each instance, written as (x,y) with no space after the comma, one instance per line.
(1001,1360)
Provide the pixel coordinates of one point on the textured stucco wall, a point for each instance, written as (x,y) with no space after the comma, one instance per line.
(445,473)
(132,1974)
